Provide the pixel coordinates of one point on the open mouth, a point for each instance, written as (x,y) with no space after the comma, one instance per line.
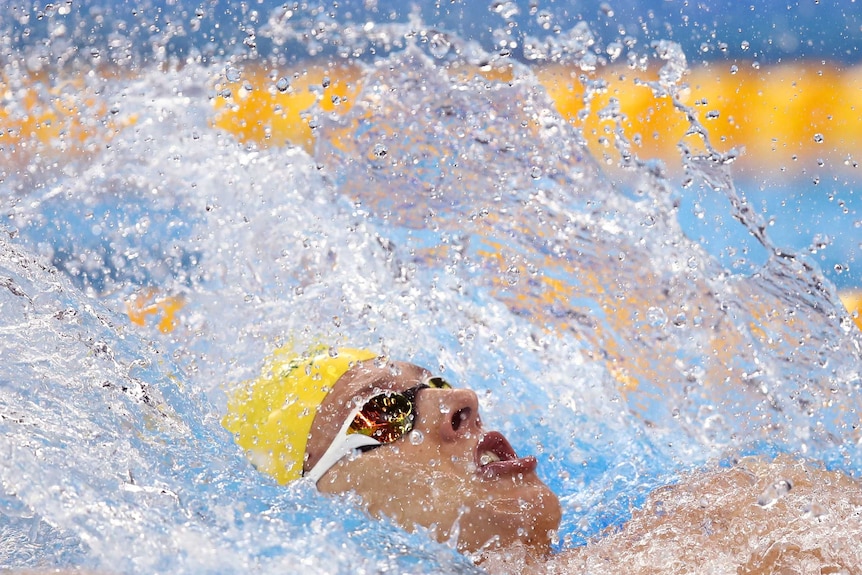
(495,457)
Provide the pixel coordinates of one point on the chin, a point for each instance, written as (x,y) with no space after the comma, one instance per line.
(529,518)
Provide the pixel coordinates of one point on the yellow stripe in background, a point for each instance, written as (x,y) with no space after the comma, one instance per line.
(800,112)
(803,111)
(781,114)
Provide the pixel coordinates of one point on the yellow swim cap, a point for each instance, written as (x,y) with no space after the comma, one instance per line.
(271,417)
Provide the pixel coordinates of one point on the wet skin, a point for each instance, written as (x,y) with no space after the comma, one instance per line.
(448,475)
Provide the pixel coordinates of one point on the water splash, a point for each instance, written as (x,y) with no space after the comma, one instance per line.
(129,468)
(597,334)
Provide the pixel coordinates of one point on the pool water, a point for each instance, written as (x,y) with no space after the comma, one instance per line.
(167,225)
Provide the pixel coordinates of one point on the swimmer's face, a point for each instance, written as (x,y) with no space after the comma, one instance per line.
(447,475)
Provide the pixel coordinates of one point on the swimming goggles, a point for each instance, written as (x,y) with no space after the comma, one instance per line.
(382,419)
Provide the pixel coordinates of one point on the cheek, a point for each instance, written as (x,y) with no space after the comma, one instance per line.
(377,479)
(409,492)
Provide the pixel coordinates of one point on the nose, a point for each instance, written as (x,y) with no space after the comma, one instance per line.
(453,412)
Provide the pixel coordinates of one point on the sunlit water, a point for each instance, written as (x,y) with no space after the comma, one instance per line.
(451,220)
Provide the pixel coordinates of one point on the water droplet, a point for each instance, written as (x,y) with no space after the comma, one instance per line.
(818,137)
(712,115)
(814,510)
(439,45)
(544,19)
(819,242)
(416,437)
(505,9)
(535,172)
(734,69)
(282,84)
(745,45)
(380,151)
(513,275)
(326,82)
(614,50)
(232,74)
(774,492)
(656,317)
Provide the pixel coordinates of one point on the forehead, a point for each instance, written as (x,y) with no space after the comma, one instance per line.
(372,376)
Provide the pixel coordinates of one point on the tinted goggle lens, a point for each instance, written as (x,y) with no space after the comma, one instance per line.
(389,416)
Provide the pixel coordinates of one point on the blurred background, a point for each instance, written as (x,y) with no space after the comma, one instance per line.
(779,82)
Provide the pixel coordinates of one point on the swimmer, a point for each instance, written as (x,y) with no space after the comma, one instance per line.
(413,448)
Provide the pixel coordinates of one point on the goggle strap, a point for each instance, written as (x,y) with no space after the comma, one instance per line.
(343,444)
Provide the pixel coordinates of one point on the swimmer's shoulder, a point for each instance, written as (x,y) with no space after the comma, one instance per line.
(756,517)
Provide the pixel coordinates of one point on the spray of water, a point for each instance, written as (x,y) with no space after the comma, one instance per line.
(452,218)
